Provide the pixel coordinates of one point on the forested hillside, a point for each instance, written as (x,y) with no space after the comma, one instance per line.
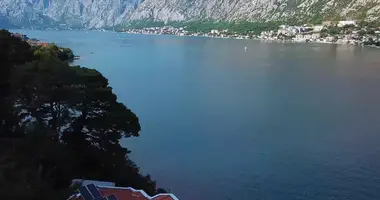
(59,122)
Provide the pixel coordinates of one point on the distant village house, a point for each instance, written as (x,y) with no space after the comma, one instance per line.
(35,43)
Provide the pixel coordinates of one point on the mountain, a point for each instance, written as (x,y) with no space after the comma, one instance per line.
(108,13)
(253,10)
(21,13)
(4,23)
(75,13)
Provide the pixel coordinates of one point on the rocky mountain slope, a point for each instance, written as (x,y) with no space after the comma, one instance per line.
(106,13)
(20,12)
(76,13)
(256,9)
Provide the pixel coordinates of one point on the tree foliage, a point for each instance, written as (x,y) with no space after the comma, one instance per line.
(60,122)
(13,52)
(34,167)
(53,51)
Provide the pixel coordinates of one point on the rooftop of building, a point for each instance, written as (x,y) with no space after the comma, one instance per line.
(122,193)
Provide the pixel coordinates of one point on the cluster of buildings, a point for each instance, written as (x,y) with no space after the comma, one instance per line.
(350,33)
(293,32)
(31,41)
(346,32)
(166,30)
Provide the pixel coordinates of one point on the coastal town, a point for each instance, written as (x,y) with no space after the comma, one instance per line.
(340,32)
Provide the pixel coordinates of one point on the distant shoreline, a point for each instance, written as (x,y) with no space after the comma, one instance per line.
(256,39)
(234,38)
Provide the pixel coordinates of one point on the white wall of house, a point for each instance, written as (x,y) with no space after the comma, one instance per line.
(87,182)
(346,23)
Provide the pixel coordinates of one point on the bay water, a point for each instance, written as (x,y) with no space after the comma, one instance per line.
(274,121)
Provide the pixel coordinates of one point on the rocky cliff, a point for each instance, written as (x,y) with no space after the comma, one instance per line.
(106,13)
(20,12)
(254,10)
(76,13)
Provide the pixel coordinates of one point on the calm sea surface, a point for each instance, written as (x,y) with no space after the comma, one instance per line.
(275,122)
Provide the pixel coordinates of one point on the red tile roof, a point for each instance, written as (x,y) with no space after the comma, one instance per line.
(127,193)
(44,44)
(132,194)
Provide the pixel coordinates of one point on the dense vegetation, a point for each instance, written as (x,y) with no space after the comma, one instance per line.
(59,122)
(52,50)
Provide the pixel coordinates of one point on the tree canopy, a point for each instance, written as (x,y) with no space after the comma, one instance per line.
(59,122)
(53,51)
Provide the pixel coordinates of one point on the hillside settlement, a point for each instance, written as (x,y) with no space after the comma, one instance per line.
(339,32)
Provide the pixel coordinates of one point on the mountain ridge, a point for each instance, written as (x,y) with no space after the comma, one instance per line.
(109,13)
(254,10)
(75,13)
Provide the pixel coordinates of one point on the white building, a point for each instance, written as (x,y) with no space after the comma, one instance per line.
(288,30)
(315,36)
(330,39)
(281,31)
(346,23)
(214,32)
(318,28)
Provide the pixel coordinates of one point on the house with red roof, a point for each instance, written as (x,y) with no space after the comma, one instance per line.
(107,191)
(127,193)
(44,44)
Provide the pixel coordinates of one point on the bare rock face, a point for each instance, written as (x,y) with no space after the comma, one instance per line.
(78,13)
(107,13)
(89,13)
(252,10)
(17,12)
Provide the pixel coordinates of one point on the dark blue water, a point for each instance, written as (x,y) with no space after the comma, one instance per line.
(275,122)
